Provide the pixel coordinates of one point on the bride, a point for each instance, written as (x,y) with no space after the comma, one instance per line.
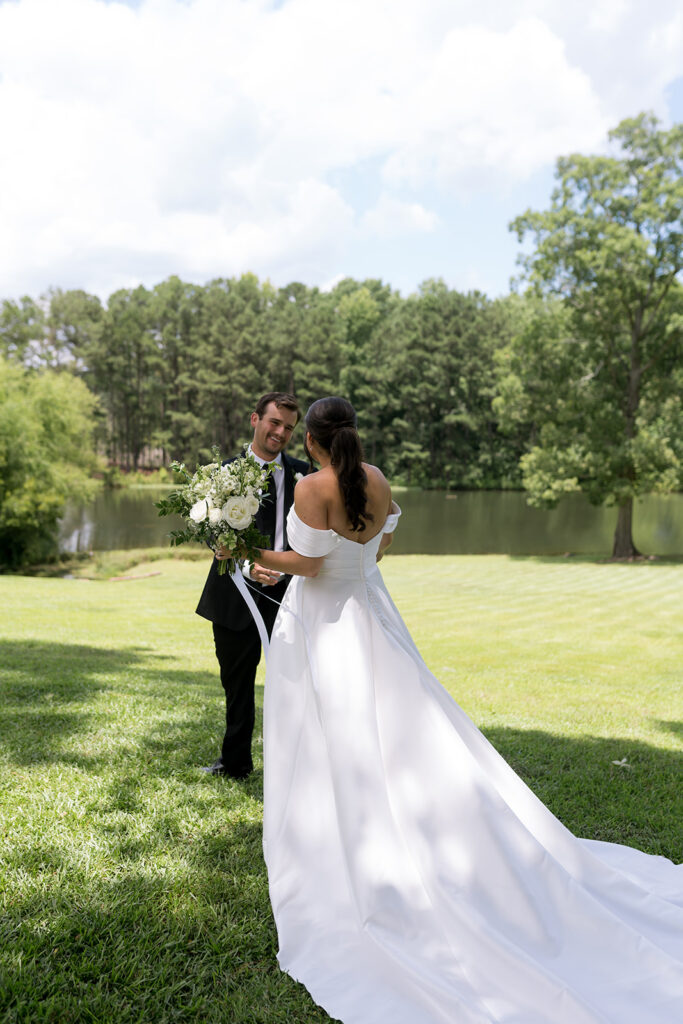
(414,878)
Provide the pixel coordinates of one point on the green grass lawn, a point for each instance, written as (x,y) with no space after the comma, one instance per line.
(133,887)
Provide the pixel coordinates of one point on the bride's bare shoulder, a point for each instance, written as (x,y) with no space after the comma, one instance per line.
(379,490)
(312,496)
(374,473)
(321,483)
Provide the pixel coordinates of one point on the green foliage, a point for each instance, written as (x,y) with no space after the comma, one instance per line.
(21,324)
(125,369)
(441,429)
(74,328)
(113,476)
(596,375)
(46,456)
(178,369)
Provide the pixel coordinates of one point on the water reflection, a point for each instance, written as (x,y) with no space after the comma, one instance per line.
(117,520)
(501,522)
(468,522)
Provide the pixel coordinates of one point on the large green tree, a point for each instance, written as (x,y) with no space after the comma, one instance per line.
(74,326)
(599,374)
(126,369)
(229,361)
(175,326)
(441,375)
(303,336)
(46,456)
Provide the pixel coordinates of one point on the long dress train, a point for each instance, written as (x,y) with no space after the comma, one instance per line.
(414,878)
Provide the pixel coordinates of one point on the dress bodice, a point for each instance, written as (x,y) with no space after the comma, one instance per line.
(344,558)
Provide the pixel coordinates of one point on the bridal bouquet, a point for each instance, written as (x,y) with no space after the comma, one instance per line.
(219,504)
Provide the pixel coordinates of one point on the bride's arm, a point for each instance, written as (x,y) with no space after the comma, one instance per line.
(387,538)
(311,508)
(290,562)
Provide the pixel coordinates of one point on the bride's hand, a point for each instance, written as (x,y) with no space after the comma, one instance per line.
(267,577)
(223,553)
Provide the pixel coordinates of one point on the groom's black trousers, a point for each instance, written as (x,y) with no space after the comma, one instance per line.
(239,652)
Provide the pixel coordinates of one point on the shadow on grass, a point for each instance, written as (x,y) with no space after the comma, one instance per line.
(172,921)
(160,941)
(675,728)
(50,693)
(33,668)
(157,949)
(612,789)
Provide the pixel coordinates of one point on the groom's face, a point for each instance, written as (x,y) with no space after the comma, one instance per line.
(272,431)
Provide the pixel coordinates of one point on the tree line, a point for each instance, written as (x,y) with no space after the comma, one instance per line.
(576,384)
(178,367)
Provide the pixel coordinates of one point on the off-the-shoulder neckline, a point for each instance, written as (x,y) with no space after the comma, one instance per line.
(362,544)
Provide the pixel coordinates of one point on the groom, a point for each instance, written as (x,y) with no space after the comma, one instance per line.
(236,638)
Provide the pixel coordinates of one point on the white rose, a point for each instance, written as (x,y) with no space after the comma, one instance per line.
(252,504)
(236,512)
(198,512)
(298,476)
(215,516)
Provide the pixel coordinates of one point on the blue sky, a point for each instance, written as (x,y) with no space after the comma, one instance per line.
(305,139)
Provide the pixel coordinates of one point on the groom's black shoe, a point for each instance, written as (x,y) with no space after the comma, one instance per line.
(218,768)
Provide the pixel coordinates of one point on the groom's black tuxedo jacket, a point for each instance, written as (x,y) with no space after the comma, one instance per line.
(221,602)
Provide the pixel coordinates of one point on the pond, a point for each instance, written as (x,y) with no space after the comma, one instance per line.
(464,522)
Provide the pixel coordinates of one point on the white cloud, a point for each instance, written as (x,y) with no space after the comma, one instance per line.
(392,218)
(607,15)
(495,107)
(210,137)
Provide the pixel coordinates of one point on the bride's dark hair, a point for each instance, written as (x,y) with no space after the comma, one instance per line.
(331,422)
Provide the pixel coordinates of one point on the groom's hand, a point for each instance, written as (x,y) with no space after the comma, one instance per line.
(267,577)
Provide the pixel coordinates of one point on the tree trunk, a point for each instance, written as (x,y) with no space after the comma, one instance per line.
(623,535)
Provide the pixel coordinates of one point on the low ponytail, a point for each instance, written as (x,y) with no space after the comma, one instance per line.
(331,422)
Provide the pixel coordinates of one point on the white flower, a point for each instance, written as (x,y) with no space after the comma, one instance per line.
(198,512)
(298,476)
(252,504)
(215,516)
(236,512)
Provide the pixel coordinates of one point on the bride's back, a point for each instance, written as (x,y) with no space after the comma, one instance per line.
(322,504)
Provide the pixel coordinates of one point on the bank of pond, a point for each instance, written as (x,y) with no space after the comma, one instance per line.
(433,522)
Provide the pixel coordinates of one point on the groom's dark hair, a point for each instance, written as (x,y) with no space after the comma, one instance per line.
(282,401)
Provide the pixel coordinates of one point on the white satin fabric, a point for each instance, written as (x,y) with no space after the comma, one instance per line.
(414,878)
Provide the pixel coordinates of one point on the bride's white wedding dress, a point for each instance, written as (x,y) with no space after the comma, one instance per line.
(414,878)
